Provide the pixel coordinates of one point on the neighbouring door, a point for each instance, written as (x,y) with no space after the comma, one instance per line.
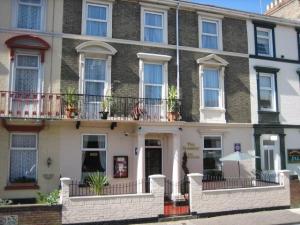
(153,163)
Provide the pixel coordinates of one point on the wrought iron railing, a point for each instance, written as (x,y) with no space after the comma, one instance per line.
(86,107)
(219,182)
(78,188)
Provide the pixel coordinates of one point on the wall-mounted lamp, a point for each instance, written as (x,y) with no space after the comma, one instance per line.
(49,162)
(180,128)
(136,151)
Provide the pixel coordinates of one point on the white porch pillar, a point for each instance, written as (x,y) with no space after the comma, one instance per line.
(176,166)
(140,175)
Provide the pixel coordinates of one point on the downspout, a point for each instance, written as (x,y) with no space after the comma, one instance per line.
(177,49)
(52,50)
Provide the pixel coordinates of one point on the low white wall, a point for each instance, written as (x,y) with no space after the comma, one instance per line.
(213,201)
(113,207)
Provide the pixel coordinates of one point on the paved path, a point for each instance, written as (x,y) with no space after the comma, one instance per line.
(276,217)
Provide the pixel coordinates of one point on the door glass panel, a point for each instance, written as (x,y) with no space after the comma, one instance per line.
(266,159)
(271,154)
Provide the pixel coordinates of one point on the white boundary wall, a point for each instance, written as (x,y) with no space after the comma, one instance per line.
(214,201)
(112,207)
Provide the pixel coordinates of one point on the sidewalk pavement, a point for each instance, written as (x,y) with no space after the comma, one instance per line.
(276,217)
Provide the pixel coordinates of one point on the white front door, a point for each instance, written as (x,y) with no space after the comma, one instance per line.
(270,155)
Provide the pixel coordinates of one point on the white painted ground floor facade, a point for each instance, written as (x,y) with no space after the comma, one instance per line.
(126,152)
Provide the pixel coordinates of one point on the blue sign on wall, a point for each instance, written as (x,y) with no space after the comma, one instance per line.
(237,147)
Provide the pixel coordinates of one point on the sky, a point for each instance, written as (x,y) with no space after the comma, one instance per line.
(245,5)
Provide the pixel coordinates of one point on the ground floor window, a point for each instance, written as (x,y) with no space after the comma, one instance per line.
(93,154)
(23,158)
(212,152)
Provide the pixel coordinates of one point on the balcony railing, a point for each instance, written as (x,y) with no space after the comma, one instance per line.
(86,107)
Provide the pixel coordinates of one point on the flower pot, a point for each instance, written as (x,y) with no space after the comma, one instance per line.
(173,116)
(70,112)
(104,115)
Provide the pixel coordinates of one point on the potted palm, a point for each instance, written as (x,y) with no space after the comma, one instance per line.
(71,100)
(105,105)
(173,113)
(97,182)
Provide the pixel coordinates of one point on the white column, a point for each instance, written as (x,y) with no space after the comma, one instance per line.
(176,166)
(140,175)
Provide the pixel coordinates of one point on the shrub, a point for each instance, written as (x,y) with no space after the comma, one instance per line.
(51,198)
(5,202)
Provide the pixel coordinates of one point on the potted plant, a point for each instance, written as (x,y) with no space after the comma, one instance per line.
(173,113)
(105,106)
(71,100)
(137,111)
(97,182)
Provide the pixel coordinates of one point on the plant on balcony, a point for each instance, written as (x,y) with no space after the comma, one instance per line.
(71,101)
(137,111)
(97,182)
(173,106)
(105,105)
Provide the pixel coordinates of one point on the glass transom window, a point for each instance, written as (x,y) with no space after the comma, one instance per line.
(23,158)
(96,20)
(211,87)
(209,34)
(264,42)
(29,14)
(153,26)
(266,92)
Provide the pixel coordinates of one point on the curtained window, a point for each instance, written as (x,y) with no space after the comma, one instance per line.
(267,92)
(264,41)
(210,34)
(97,20)
(23,158)
(153,26)
(211,87)
(26,73)
(93,154)
(153,81)
(212,153)
(29,14)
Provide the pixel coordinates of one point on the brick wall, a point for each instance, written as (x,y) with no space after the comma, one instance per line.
(113,207)
(32,214)
(217,201)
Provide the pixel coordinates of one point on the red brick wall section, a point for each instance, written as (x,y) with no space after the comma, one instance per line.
(32,214)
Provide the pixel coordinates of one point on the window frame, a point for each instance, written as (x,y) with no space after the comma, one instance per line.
(82,149)
(212,149)
(27,149)
(108,5)
(217,19)
(164,14)
(213,89)
(14,66)
(163,85)
(15,12)
(270,39)
(84,80)
(298,42)
(273,89)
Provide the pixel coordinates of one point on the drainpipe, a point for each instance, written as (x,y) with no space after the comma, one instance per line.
(177,49)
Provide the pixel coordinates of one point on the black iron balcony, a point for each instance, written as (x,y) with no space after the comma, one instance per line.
(87,107)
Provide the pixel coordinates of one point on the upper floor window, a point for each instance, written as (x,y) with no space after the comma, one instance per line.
(30,14)
(264,39)
(23,158)
(267,92)
(210,31)
(211,87)
(153,81)
(97,18)
(154,26)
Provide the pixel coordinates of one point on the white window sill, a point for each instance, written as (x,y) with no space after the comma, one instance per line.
(213,109)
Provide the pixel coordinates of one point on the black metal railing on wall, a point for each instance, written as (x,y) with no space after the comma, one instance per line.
(88,107)
(220,182)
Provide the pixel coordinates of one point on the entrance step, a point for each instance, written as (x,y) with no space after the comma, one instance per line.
(176,218)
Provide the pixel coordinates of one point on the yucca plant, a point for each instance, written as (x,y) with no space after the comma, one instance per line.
(97,182)
(173,113)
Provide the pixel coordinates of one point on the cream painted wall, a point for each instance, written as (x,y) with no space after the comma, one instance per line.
(285,40)
(47,147)
(54,15)
(288,84)
(292,141)
(230,136)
